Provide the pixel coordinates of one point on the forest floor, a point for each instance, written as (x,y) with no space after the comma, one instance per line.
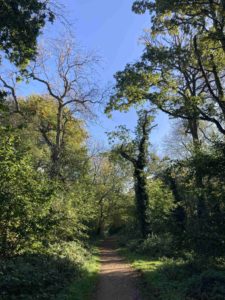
(117,279)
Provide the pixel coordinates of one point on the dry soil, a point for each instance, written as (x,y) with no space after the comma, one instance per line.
(118,281)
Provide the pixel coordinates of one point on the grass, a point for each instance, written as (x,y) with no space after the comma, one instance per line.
(176,279)
(83,288)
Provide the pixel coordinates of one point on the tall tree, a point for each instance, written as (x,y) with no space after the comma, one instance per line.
(171,76)
(70,83)
(36,124)
(136,152)
(69,78)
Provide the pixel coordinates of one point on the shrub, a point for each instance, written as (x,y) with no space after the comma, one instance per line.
(25,196)
(41,275)
(157,246)
(210,285)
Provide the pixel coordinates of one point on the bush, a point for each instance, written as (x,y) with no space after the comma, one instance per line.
(41,276)
(157,246)
(210,285)
(25,196)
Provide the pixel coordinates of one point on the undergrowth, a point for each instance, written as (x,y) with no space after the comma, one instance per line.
(176,278)
(66,271)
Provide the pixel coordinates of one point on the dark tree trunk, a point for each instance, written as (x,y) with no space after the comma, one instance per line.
(142,201)
(57,146)
(179,212)
(140,177)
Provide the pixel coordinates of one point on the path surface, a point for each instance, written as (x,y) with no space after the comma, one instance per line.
(118,281)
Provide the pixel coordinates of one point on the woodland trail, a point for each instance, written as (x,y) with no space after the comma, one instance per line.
(118,281)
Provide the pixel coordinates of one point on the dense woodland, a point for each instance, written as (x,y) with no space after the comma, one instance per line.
(59,193)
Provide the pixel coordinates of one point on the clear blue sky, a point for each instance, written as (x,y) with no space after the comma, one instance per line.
(111,29)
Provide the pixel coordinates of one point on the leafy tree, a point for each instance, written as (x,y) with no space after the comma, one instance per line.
(205,16)
(182,69)
(36,124)
(161,205)
(181,73)
(109,185)
(171,75)
(26,198)
(21,24)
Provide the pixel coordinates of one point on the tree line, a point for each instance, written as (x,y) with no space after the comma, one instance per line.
(58,193)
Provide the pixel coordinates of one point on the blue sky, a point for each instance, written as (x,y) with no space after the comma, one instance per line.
(113,31)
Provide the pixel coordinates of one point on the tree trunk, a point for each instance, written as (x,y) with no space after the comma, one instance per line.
(56,149)
(179,211)
(100,228)
(201,206)
(142,201)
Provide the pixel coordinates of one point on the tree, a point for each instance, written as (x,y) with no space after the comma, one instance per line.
(26,199)
(171,76)
(204,16)
(201,25)
(70,84)
(21,24)
(136,152)
(36,125)
(182,69)
(109,186)
(161,205)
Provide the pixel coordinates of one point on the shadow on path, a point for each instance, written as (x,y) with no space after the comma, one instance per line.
(118,281)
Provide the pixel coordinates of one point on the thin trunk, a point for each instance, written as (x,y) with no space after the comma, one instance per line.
(100,229)
(56,149)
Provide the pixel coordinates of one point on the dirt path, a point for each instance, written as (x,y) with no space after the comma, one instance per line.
(118,281)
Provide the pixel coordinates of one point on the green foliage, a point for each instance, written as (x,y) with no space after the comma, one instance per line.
(74,210)
(203,235)
(36,125)
(161,205)
(175,14)
(158,246)
(208,285)
(45,275)
(44,220)
(177,279)
(84,287)
(21,24)
(25,200)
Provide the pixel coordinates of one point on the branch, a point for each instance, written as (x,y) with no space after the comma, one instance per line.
(213,120)
(12,89)
(47,85)
(197,52)
(125,155)
(44,134)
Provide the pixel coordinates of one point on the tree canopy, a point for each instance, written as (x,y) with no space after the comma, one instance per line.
(20,26)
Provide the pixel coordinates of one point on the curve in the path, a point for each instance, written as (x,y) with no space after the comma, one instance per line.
(118,281)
